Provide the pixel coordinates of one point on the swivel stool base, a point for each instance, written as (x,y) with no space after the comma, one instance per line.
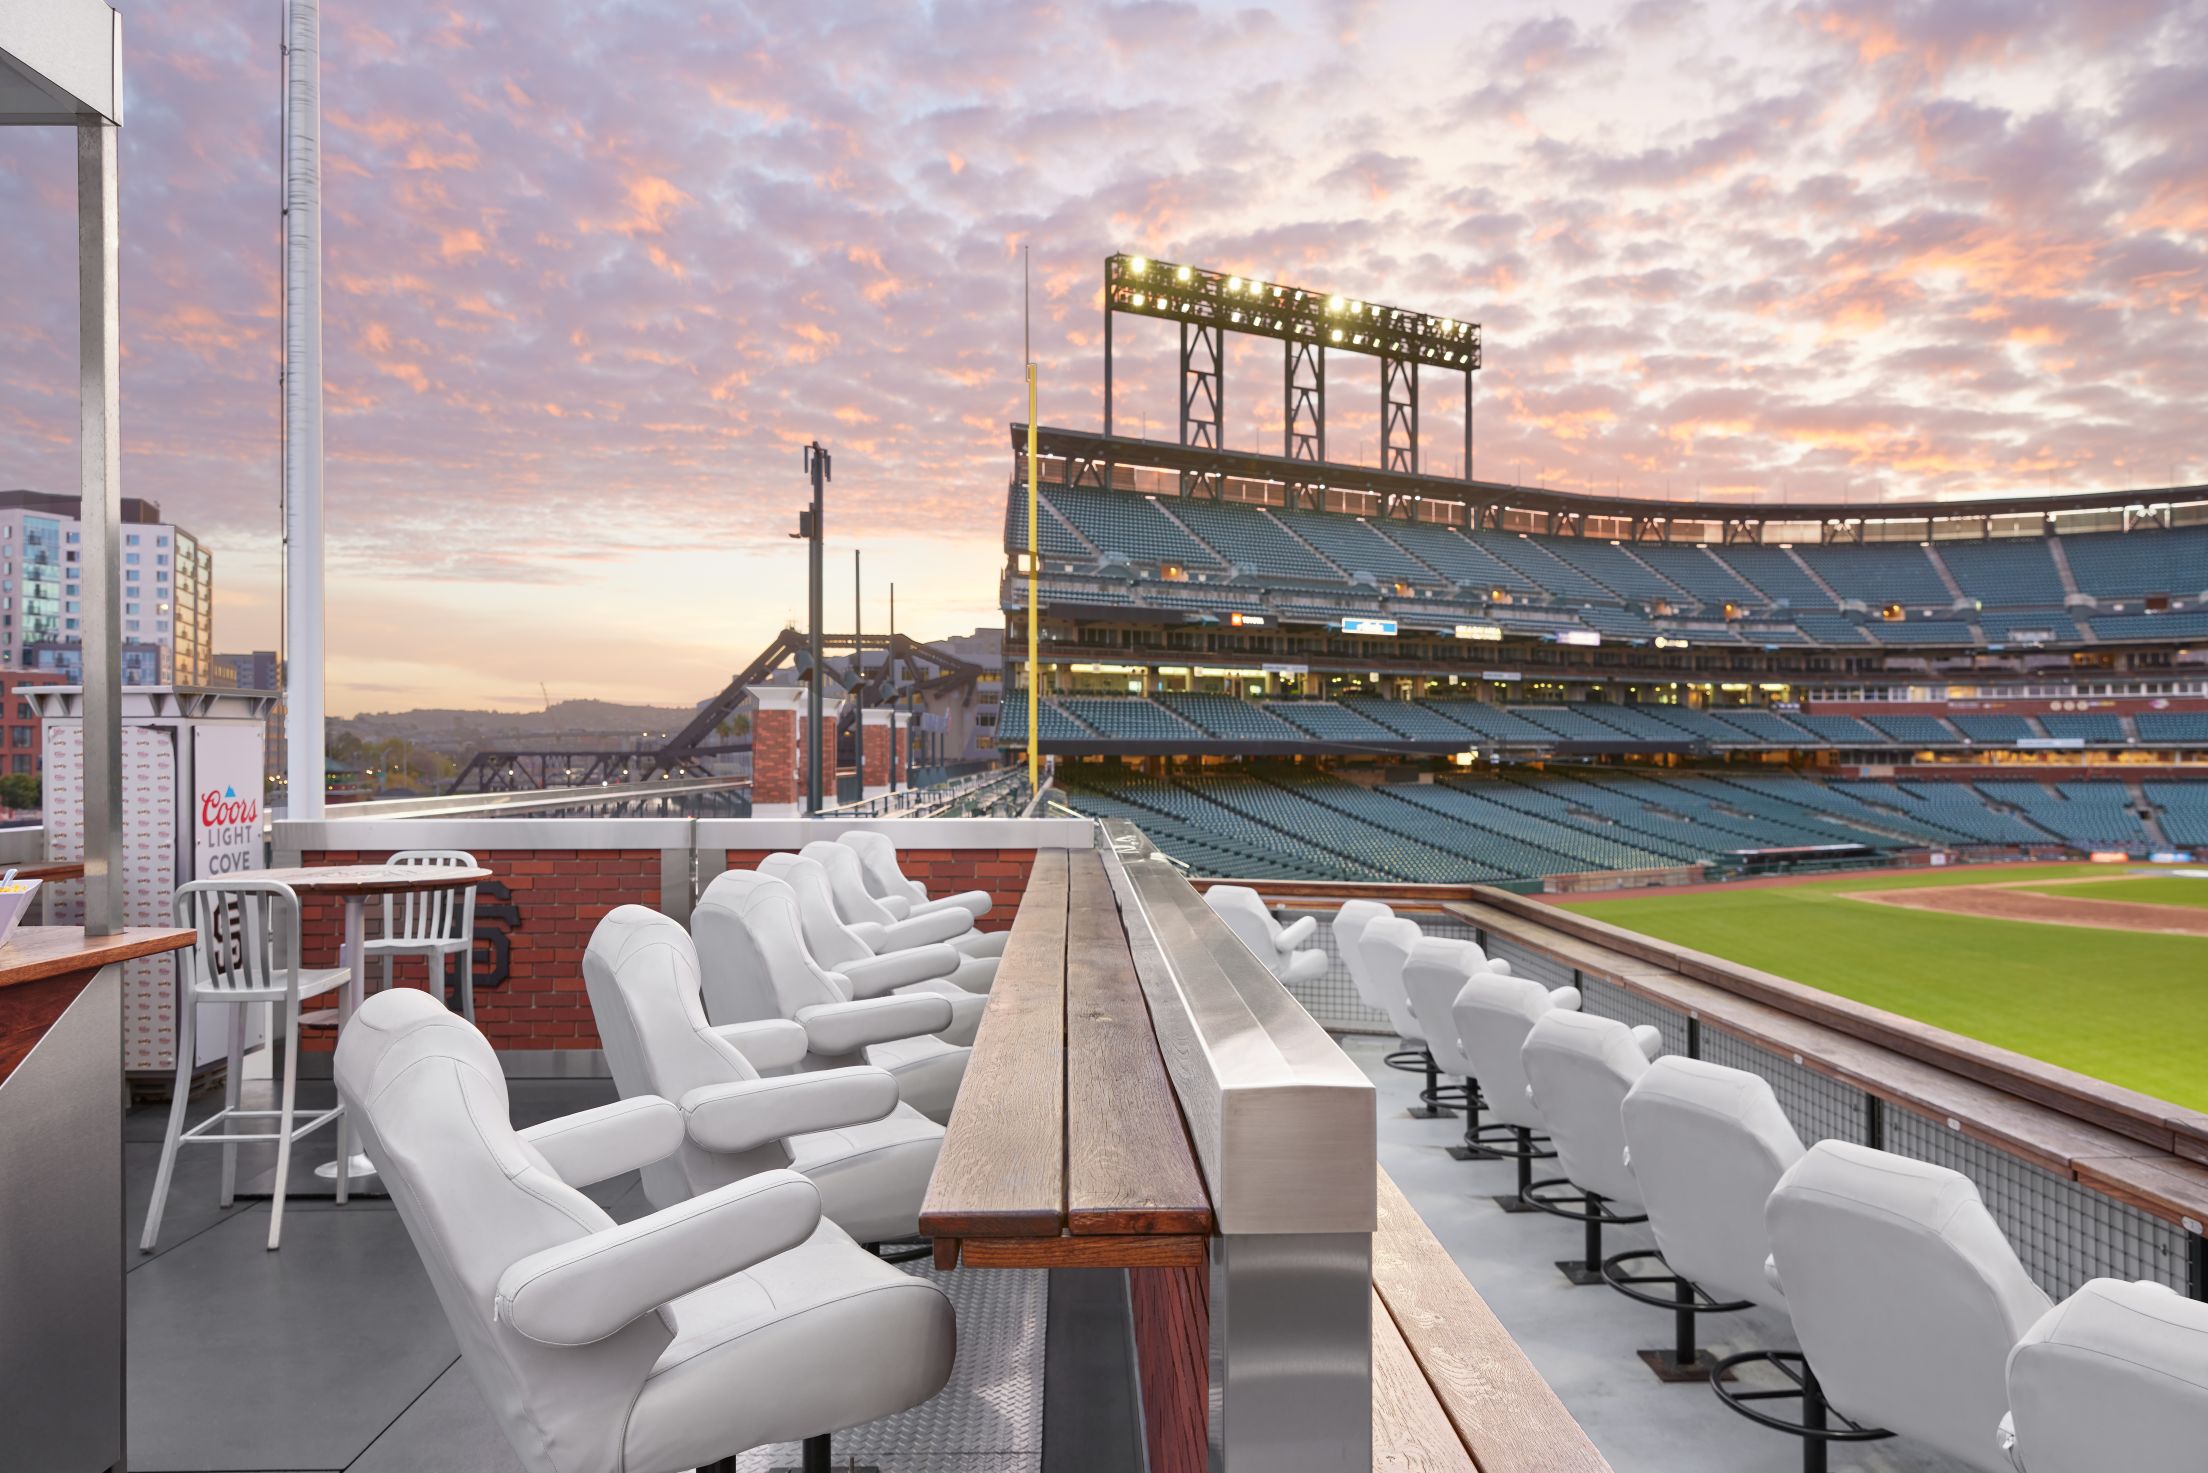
(1592,1210)
(1515,1143)
(1683,1362)
(816,1455)
(1815,1427)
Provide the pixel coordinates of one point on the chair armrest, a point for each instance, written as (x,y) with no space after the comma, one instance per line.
(870,932)
(975,903)
(585,1290)
(748,1114)
(769,1043)
(595,1145)
(925,928)
(879,974)
(1566,998)
(842,1027)
(897,906)
(1293,936)
(1649,1040)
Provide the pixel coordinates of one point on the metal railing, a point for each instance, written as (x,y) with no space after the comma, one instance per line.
(999,792)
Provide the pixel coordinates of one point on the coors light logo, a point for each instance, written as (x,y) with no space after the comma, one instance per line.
(229,831)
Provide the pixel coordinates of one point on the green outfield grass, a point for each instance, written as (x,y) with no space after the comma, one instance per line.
(2144,890)
(2128,1008)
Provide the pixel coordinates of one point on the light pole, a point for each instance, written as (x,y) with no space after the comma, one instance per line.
(809,526)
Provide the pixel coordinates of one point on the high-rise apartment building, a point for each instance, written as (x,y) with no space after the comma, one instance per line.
(168,591)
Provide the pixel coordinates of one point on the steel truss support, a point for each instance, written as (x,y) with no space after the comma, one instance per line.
(1203,402)
(1305,388)
(1399,415)
(1743,532)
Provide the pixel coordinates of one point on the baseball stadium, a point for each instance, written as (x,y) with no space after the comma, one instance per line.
(1946,758)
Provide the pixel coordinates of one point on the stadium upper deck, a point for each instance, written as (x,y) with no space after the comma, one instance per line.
(1326,612)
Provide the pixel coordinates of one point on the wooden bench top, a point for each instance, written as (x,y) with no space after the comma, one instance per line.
(1066,1147)
(1451,1391)
(1884,1056)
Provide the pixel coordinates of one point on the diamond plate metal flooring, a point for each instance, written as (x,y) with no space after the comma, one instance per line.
(989,1419)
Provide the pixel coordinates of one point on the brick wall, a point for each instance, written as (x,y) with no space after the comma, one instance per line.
(534,921)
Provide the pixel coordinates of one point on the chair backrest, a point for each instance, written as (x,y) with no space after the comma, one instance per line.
(2115,1376)
(1905,1295)
(431,915)
(1349,932)
(646,993)
(846,881)
(1387,945)
(1706,1145)
(751,951)
(1243,909)
(878,863)
(1580,1068)
(428,1103)
(248,934)
(827,936)
(1436,972)
(1494,1014)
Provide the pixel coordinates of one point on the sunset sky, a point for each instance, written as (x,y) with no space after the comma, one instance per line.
(595,271)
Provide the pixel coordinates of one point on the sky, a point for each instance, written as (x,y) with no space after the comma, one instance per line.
(596,272)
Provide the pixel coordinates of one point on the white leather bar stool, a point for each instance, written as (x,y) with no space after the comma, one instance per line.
(1277,946)
(1705,1144)
(1387,943)
(1578,1069)
(752,954)
(1433,976)
(844,1128)
(431,924)
(2115,1376)
(1494,1012)
(732,1320)
(1905,1294)
(247,953)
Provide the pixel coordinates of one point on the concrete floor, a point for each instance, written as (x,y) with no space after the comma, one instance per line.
(332,1354)
(1582,1340)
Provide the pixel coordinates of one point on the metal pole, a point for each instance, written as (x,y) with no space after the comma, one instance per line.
(1034,557)
(1468,424)
(304,648)
(858,675)
(894,691)
(100,511)
(816,463)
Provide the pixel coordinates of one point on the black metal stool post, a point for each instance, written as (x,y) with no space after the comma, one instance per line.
(1683,1361)
(1430,1105)
(1591,1212)
(1520,1149)
(1471,1149)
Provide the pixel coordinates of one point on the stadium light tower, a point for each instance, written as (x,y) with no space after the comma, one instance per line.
(809,527)
(1208,304)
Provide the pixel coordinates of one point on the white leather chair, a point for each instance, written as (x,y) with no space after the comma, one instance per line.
(731,1320)
(859,906)
(844,1128)
(1905,1294)
(1705,1144)
(751,951)
(434,925)
(886,880)
(1494,1012)
(1578,1070)
(1349,930)
(1274,944)
(1387,944)
(1433,975)
(2115,1376)
(913,949)
(246,954)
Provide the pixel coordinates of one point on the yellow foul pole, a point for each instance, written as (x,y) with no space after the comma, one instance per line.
(1034,565)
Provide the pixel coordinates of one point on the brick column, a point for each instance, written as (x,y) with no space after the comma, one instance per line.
(777,779)
(874,731)
(902,763)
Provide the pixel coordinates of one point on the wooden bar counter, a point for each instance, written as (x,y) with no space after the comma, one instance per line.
(61,1194)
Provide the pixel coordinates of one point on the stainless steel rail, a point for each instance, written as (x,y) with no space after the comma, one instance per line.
(1283,1125)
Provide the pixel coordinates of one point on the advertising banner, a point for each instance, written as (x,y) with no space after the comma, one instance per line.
(225,802)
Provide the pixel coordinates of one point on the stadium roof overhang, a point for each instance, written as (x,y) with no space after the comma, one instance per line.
(1087,449)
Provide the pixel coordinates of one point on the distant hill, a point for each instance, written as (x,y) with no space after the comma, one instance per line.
(598,723)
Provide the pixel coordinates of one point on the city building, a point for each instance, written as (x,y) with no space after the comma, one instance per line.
(22,749)
(168,589)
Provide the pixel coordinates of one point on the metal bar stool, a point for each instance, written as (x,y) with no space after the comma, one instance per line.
(247,953)
(433,925)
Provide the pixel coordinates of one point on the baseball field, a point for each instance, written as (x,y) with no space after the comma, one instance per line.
(2098,968)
